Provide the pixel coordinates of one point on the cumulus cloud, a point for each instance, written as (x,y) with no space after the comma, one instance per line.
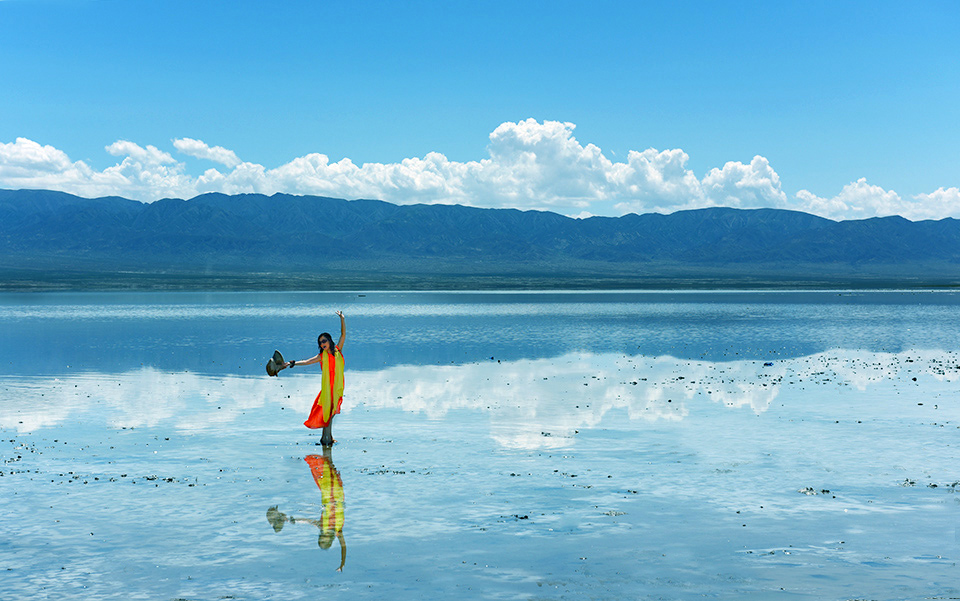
(200,150)
(860,200)
(25,157)
(146,156)
(529,165)
(27,164)
(856,200)
(739,185)
(655,178)
(146,172)
(943,201)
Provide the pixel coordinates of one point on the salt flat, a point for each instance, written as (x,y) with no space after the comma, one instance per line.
(531,446)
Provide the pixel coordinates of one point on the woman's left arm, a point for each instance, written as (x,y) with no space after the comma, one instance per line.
(343,330)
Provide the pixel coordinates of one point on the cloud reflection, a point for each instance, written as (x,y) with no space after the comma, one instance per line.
(537,403)
(540,402)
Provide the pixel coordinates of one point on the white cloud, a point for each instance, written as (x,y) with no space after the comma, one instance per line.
(937,204)
(146,172)
(655,180)
(744,186)
(200,150)
(529,165)
(24,158)
(541,163)
(26,164)
(146,156)
(856,200)
(860,200)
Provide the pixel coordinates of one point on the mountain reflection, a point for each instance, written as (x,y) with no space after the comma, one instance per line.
(531,397)
(330,522)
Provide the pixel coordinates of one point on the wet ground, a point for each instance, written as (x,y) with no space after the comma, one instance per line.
(745,472)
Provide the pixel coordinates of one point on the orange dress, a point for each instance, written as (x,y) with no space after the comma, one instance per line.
(328,401)
(331,489)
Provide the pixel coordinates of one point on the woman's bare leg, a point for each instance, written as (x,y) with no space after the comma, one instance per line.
(326,439)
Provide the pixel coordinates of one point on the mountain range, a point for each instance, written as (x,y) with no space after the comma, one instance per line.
(52,238)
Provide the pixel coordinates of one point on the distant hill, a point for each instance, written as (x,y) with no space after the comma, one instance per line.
(251,240)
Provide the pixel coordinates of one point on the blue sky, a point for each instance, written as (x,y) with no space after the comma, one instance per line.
(845,109)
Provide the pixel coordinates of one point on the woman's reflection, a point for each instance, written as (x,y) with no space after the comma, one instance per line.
(330,523)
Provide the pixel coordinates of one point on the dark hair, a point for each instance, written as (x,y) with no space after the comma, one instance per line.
(326,335)
(325,540)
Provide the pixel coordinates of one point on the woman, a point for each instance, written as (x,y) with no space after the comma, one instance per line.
(327,403)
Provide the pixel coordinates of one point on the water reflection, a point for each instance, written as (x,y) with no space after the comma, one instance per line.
(542,403)
(532,403)
(330,522)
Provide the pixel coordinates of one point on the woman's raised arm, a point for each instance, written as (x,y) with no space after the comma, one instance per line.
(343,330)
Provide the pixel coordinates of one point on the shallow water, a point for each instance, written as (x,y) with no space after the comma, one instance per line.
(732,445)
